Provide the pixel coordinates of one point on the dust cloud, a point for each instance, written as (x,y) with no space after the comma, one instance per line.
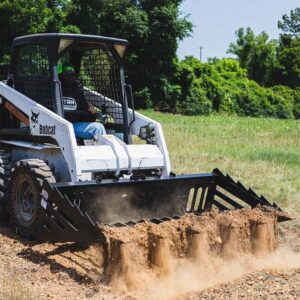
(177,257)
(187,277)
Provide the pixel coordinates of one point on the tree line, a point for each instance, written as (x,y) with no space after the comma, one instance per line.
(263,80)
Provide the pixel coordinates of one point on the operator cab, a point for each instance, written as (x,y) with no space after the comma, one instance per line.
(98,65)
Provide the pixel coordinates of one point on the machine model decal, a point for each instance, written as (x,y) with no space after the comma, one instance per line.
(47,130)
(43,129)
(34,117)
(69,103)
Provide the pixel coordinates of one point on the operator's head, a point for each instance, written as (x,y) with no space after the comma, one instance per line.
(66,72)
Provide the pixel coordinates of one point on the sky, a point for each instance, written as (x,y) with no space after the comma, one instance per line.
(216,22)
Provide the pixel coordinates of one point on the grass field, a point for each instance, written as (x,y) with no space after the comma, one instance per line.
(261,153)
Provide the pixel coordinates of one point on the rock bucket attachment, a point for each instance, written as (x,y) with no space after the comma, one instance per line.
(73,212)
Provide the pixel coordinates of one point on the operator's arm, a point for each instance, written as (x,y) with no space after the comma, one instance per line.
(82,103)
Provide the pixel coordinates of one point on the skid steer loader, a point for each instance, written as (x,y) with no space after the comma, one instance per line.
(56,187)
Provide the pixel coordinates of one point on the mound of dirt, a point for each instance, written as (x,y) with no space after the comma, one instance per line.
(149,261)
(154,251)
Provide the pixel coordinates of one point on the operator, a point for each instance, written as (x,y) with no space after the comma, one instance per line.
(84,117)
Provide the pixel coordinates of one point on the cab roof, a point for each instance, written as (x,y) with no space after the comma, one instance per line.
(58,42)
(51,37)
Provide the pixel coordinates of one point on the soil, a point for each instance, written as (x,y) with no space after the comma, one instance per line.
(244,254)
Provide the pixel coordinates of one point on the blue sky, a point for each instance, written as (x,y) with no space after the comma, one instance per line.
(216,22)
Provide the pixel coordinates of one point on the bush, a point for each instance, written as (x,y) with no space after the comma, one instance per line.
(196,103)
(143,98)
(222,86)
(296,108)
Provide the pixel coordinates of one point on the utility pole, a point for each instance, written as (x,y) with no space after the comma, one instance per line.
(201,51)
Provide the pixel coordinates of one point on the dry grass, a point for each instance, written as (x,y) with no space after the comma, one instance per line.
(262,153)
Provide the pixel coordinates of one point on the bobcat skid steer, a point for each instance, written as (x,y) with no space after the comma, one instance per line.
(58,188)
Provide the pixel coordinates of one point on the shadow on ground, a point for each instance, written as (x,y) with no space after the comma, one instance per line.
(72,259)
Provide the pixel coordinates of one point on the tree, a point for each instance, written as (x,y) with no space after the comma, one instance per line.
(166,28)
(257,54)
(290,24)
(19,17)
(288,66)
(153,29)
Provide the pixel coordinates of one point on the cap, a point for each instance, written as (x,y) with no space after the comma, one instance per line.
(65,69)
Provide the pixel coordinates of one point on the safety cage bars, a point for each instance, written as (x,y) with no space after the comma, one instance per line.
(31,74)
(98,70)
(100,75)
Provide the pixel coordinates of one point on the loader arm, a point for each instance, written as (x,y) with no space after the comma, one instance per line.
(141,121)
(43,122)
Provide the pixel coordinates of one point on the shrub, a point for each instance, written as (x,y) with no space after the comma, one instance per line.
(196,103)
(222,86)
(296,108)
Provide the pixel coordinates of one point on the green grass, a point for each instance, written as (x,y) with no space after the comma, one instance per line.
(262,153)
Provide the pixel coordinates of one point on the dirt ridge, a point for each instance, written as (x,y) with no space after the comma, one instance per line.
(181,258)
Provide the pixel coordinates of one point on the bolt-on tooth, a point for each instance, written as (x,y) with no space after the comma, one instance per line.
(253,193)
(275,206)
(155,221)
(141,221)
(131,223)
(118,224)
(229,178)
(266,201)
(218,172)
(239,184)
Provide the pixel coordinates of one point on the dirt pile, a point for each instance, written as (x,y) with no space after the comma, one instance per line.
(215,256)
(207,247)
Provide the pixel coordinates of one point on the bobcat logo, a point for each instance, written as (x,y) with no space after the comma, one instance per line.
(34,117)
